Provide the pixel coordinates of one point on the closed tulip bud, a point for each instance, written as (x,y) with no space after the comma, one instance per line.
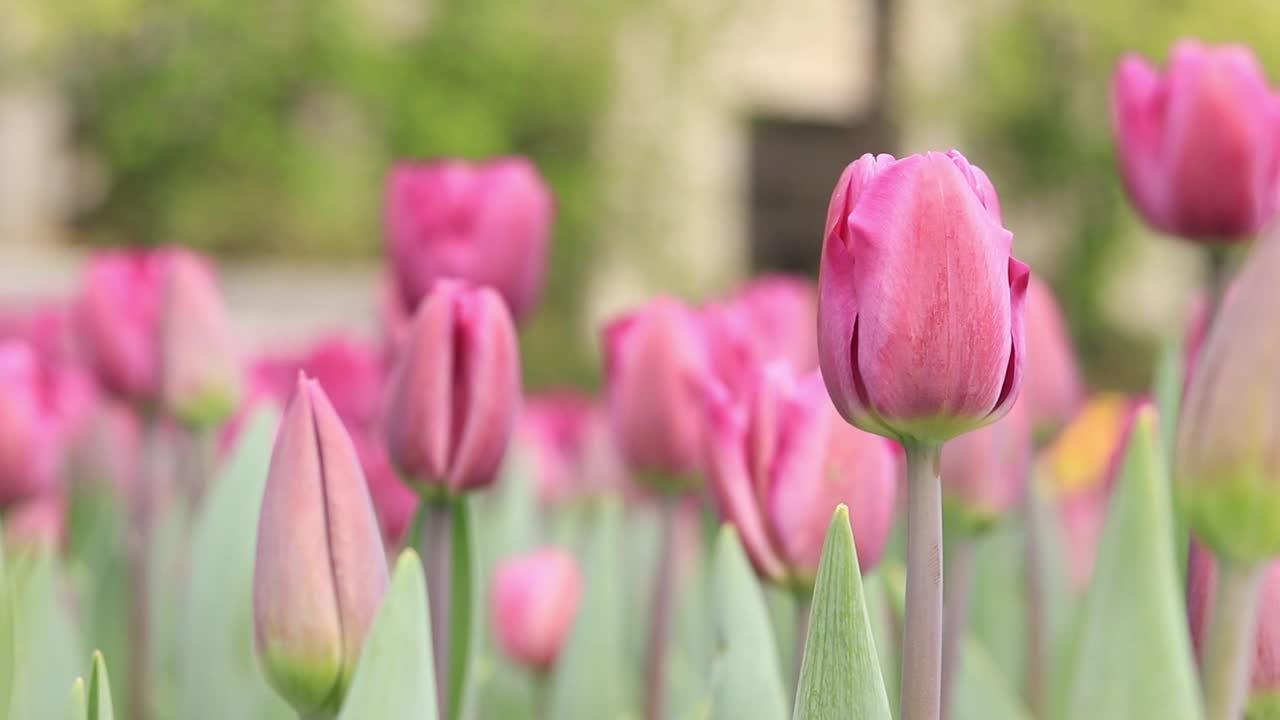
(783,460)
(1053,387)
(920,304)
(199,362)
(782,309)
(119,320)
(534,602)
(1199,145)
(30,452)
(984,473)
(455,394)
(654,357)
(572,450)
(321,572)
(487,224)
(1227,458)
(38,522)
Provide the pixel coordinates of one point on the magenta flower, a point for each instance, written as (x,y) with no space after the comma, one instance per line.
(199,364)
(119,320)
(984,473)
(30,441)
(534,602)
(1053,387)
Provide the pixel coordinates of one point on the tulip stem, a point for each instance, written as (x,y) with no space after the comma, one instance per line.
(1037,618)
(437,555)
(1225,674)
(955,614)
(660,625)
(1216,277)
(803,605)
(142,511)
(922,632)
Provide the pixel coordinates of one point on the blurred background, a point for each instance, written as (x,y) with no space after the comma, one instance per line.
(689,144)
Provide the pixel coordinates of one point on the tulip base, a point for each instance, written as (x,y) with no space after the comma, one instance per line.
(1225,674)
(922,632)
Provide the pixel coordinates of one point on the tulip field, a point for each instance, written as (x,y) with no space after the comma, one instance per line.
(884,492)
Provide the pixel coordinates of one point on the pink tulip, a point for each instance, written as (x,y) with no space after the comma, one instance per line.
(1202,580)
(773,318)
(352,372)
(30,451)
(984,473)
(535,599)
(654,358)
(38,522)
(321,572)
(572,448)
(920,304)
(394,502)
(46,327)
(487,224)
(455,394)
(1053,387)
(781,462)
(199,362)
(119,320)
(1199,147)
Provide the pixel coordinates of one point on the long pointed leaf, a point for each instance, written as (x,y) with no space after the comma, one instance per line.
(47,649)
(1132,657)
(8,651)
(840,676)
(79,703)
(746,682)
(99,696)
(395,677)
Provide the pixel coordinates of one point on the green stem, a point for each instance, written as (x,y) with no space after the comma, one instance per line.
(1216,276)
(660,624)
(1037,659)
(922,633)
(437,556)
(1225,674)
(542,695)
(955,614)
(143,501)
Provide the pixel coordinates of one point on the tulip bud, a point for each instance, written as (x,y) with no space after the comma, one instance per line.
(1053,387)
(572,448)
(455,394)
(920,317)
(1199,146)
(653,358)
(321,572)
(984,473)
(770,320)
(1228,456)
(39,522)
(119,320)
(1079,471)
(30,455)
(486,224)
(1202,581)
(782,461)
(199,365)
(534,602)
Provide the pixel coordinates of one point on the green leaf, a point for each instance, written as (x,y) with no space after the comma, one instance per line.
(884,628)
(47,648)
(219,675)
(1132,657)
(99,696)
(840,676)
(746,682)
(8,657)
(1167,390)
(395,677)
(982,690)
(592,678)
(465,593)
(79,704)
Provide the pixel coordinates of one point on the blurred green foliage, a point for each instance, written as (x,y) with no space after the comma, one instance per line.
(1038,112)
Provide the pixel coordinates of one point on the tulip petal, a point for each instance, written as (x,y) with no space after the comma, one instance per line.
(1138,109)
(487,381)
(421,409)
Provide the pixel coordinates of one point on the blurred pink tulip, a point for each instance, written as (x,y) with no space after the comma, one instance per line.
(109,449)
(654,358)
(351,371)
(1199,147)
(393,501)
(199,362)
(985,472)
(38,522)
(920,307)
(320,572)
(1202,581)
(30,449)
(119,320)
(455,395)
(46,327)
(772,319)
(1053,387)
(573,448)
(535,599)
(487,224)
(779,464)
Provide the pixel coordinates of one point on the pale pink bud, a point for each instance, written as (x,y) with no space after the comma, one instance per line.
(321,571)
(984,473)
(119,320)
(30,448)
(1053,387)
(1202,582)
(920,306)
(455,394)
(487,224)
(534,601)
(1199,146)
(199,360)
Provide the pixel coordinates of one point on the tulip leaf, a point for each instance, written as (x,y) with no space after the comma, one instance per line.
(79,703)
(99,705)
(1131,655)
(46,646)
(1167,390)
(395,677)
(465,593)
(982,690)
(884,629)
(591,680)
(840,675)
(218,671)
(8,656)
(746,682)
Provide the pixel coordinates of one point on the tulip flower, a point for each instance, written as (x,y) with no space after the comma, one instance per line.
(771,319)
(984,473)
(1053,388)
(654,357)
(321,572)
(455,394)
(351,371)
(119,320)
(534,601)
(1199,146)
(199,365)
(920,304)
(486,224)
(38,522)
(572,447)
(30,452)
(783,460)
